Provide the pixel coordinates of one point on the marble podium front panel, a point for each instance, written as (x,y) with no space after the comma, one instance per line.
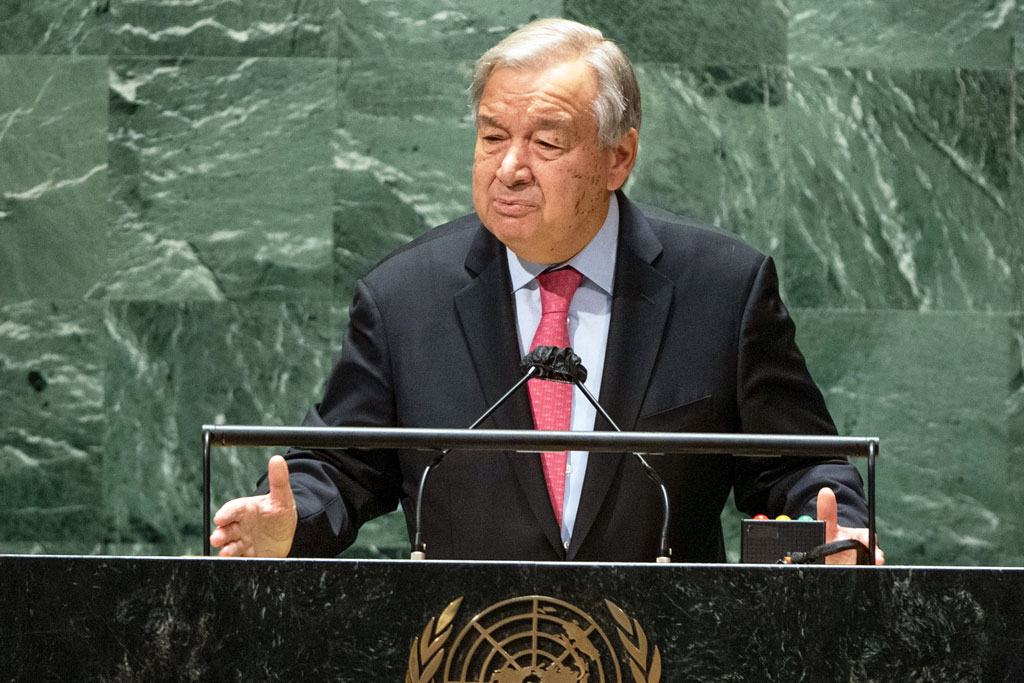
(142,619)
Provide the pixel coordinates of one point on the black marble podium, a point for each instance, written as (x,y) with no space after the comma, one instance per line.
(196,619)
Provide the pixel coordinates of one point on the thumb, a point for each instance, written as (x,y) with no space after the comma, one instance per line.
(827,513)
(280,487)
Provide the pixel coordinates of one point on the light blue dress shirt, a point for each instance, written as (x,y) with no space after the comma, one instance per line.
(589,317)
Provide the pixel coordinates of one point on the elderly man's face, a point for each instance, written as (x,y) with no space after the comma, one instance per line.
(541,178)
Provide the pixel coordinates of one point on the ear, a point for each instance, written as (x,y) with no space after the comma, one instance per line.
(621,161)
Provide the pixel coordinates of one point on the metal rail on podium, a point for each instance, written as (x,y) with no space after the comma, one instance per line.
(530,441)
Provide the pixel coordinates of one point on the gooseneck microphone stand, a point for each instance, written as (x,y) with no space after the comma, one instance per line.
(562,365)
(419,548)
(556,365)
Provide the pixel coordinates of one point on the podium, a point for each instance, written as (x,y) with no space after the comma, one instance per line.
(202,619)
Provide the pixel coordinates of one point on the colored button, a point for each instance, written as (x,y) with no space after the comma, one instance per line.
(783,518)
(760,516)
(805,518)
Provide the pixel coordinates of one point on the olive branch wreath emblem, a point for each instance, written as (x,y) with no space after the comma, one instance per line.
(427,652)
(635,641)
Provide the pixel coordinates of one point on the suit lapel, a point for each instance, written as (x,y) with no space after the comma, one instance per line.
(487,316)
(640,306)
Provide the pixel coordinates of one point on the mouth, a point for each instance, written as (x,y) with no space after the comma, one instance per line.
(512,207)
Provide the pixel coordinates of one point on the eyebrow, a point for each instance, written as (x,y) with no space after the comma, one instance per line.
(538,122)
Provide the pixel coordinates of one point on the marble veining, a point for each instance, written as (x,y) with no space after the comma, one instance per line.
(54,27)
(718,169)
(439,30)
(189,191)
(174,367)
(224,197)
(744,32)
(943,433)
(880,33)
(53,176)
(52,362)
(897,190)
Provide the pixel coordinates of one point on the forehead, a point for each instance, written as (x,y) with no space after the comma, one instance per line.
(560,92)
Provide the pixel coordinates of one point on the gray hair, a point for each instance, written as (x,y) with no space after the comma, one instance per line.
(551,41)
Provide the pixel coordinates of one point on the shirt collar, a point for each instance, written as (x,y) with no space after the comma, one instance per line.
(596,261)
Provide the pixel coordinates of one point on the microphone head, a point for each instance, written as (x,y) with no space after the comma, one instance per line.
(555,364)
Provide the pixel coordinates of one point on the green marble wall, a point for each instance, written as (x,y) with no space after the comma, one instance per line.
(188,191)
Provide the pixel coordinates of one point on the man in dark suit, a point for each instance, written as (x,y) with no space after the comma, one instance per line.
(681,327)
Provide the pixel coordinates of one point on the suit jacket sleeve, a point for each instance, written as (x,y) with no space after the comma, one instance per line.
(337,491)
(775,394)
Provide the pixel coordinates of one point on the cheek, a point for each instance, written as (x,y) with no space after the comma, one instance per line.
(479,194)
(479,183)
(589,183)
(483,168)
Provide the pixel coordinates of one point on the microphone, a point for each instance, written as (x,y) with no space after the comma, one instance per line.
(563,365)
(555,364)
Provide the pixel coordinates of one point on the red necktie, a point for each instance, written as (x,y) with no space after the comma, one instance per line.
(551,402)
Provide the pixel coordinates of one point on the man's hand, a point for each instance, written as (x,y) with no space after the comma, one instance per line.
(827,512)
(258,526)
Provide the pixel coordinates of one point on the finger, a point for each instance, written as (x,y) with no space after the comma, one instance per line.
(845,557)
(828,513)
(280,487)
(223,535)
(856,533)
(861,535)
(231,511)
(842,533)
(235,549)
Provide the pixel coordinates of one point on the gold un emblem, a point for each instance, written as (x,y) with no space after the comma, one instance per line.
(530,639)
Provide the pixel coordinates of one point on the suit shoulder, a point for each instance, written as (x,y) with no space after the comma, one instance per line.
(688,241)
(444,246)
(441,238)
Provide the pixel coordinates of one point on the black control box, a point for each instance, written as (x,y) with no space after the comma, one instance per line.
(767,541)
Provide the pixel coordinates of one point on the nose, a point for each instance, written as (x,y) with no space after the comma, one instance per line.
(514,168)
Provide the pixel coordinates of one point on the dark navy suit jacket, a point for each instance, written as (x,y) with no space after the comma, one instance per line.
(699,341)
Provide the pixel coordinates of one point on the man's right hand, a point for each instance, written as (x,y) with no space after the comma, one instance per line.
(258,526)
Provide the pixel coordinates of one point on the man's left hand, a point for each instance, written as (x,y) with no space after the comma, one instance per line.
(828,513)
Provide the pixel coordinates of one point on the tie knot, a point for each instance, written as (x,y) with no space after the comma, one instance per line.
(557,288)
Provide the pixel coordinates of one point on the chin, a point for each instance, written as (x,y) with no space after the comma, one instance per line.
(511,231)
